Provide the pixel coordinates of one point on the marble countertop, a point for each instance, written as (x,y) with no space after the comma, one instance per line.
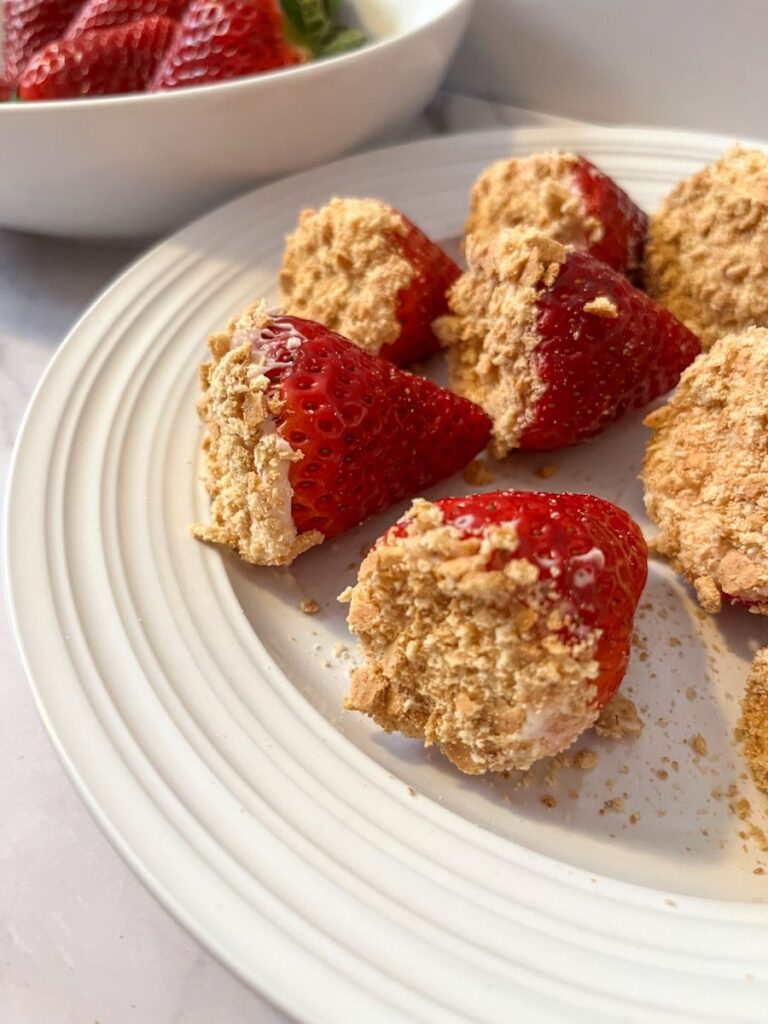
(81,940)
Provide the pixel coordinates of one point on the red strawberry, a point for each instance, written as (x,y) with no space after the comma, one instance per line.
(363,269)
(308,435)
(565,197)
(554,344)
(624,224)
(29,25)
(115,60)
(370,434)
(101,14)
(423,300)
(223,39)
(7,89)
(589,552)
(497,625)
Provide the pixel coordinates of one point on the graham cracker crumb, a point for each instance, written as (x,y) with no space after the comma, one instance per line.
(535,191)
(546,472)
(343,267)
(491,331)
(662,773)
(601,306)
(699,745)
(690,693)
(619,719)
(615,804)
(548,800)
(477,473)
(309,606)
(585,760)
(705,258)
(706,473)
(469,658)
(753,725)
(246,462)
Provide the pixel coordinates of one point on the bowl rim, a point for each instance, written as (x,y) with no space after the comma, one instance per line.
(244,83)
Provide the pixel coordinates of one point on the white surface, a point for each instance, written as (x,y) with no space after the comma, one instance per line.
(685,63)
(80,938)
(205,730)
(133,166)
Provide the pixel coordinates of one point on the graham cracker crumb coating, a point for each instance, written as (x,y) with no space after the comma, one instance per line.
(534,191)
(707,253)
(342,267)
(706,473)
(753,726)
(491,332)
(246,462)
(467,658)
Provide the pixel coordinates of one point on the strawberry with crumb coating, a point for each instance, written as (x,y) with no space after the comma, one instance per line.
(706,474)
(497,626)
(566,197)
(362,268)
(553,344)
(308,435)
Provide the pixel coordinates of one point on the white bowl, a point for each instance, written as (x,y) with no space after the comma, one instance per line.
(138,165)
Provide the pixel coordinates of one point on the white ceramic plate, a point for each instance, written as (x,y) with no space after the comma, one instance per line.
(349,874)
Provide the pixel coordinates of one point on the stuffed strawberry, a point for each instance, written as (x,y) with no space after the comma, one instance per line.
(223,39)
(308,435)
(497,626)
(362,268)
(563,196)
(553,344)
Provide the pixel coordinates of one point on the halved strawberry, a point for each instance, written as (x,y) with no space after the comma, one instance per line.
(554,344)
(309,435)
(497,625)
(101,14)
(365,270)
(115,60)
(565,197)
(29,25)
(223,39)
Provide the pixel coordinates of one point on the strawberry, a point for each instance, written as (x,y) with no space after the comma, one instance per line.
(497,625)
(223,39)
(423,300)
(565,197)
(590,553)
(554,344)
(114,60)
(363,269)
(370,434)
(29,25)
(334,433)
(7,89)
(101,14)
(624,225)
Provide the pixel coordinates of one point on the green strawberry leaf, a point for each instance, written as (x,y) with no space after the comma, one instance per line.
(341,41)
(314,24)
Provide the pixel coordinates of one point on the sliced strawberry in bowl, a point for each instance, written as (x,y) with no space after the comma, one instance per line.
(362,268)
(98,63)
(554,344)
(102,14)
(497,625)
(29,25)
(225,39)
(307,435)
